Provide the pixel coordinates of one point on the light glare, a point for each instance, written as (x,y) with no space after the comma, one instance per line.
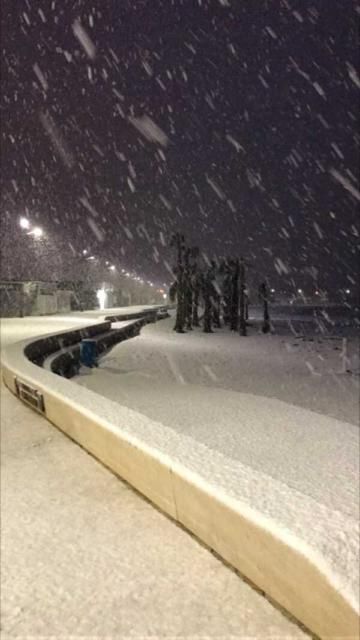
(101,296)
(24,223)
(37,232)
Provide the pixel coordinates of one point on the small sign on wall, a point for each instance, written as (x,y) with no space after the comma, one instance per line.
(31,396)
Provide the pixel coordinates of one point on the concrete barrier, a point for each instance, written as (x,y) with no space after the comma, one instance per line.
(276,562)
(66,361)
(38,349)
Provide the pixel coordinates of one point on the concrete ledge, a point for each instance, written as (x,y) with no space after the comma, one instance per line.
(286,575)
(278,563)
(38,349)
(66,361)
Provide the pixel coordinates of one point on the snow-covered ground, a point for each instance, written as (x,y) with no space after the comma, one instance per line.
(215,399)
(297,364)
(84,554)
(14,329)
(116,311)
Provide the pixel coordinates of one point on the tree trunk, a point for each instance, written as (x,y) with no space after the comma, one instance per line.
(195,309)
(234,311)
(264,297)
(179,242)
(242,299)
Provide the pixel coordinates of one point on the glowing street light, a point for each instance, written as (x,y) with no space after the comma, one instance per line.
(101,296)
(84,252)
(24,223)
(37,232)
(347,291)
(300,291)
(112,267)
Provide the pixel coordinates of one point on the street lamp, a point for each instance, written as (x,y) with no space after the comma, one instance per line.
(101,296)
(24,223)
(37,232)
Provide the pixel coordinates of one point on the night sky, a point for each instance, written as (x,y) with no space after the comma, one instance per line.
(249,130)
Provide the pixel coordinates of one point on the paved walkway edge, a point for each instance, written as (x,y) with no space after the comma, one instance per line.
(284,574)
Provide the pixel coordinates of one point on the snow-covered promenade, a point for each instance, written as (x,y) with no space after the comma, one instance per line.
(251,475)
(82,553)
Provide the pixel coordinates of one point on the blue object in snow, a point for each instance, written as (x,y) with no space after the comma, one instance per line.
(88,352)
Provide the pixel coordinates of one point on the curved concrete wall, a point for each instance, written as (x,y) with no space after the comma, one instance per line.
(66,361)
(38,349)
(273,562)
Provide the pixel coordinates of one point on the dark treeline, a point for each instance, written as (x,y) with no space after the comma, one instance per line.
(217,287)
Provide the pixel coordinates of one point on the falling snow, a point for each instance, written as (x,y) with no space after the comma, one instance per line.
(84,39)
(150,130)
(236,126)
